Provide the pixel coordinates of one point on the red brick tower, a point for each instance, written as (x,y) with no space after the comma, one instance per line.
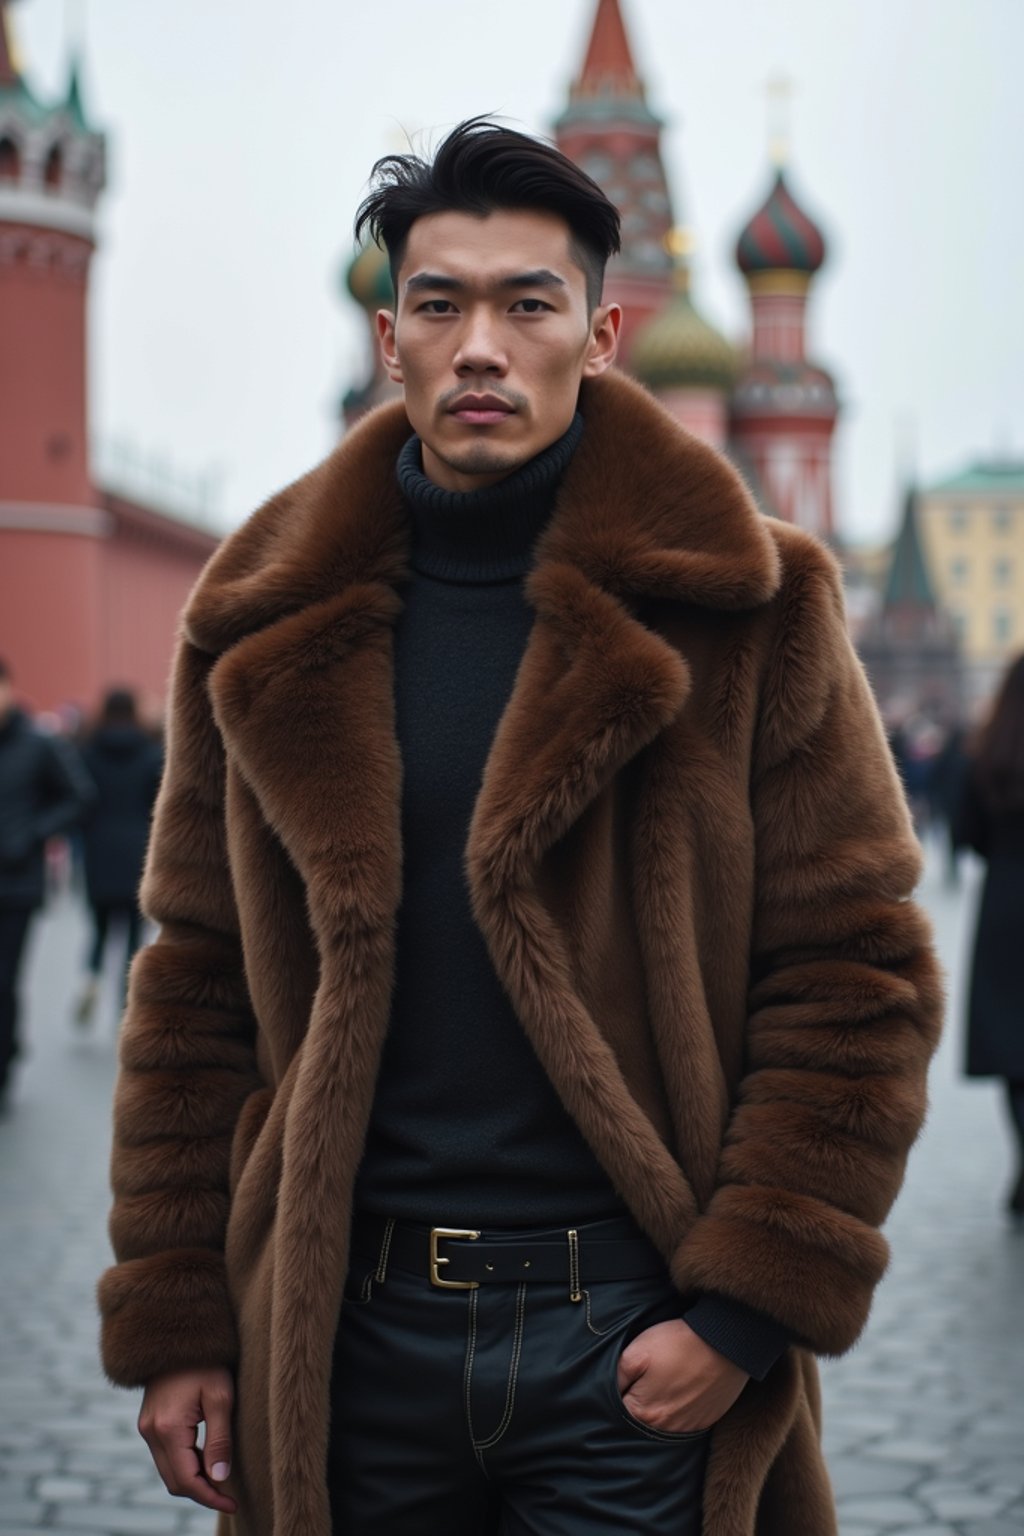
(52,170)
(784,407)
(611,132)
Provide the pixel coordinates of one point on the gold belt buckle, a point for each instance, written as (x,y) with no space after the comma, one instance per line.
(436,1261)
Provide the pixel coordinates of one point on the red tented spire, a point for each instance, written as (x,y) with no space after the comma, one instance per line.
(8,70)
(608,67)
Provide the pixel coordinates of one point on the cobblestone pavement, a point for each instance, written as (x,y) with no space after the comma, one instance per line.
(924,1420)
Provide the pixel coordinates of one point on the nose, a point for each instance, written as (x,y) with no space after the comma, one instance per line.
(480,348)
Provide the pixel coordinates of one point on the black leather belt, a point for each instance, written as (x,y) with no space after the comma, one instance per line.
(459,1258)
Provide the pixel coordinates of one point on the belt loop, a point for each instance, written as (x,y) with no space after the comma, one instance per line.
(385,1249)
(575,1294)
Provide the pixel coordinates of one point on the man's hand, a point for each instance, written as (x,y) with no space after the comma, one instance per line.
(172,1408)
(670,1379)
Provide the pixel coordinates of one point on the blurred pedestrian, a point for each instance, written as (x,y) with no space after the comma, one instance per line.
(991,821)
(946,789)
(44,790)
(920,746)
(125,764)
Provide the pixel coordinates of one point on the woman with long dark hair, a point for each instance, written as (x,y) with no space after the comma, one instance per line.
(991,821)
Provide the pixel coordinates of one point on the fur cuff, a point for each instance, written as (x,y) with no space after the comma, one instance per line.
(167,1312)
(811,1267)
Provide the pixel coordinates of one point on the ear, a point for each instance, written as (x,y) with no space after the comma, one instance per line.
(388,348)
(605,324)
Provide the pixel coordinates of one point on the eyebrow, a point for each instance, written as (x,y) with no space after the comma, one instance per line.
(542,277)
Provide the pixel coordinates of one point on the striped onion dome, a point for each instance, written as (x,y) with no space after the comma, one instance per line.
(677,348)
(780,236)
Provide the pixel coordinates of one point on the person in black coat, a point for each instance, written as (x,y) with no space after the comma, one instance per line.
(125,765)
(991,821)
(946,792)
(43,791)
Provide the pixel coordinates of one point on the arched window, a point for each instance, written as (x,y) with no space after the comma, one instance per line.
(53,173)
(10,160)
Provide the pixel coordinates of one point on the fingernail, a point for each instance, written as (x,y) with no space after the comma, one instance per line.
(220,1471)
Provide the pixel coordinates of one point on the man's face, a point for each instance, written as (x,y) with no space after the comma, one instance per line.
(491,339)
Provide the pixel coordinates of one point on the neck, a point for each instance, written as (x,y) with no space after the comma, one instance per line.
(486,533)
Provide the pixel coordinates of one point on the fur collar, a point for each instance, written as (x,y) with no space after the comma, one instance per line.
(645,510)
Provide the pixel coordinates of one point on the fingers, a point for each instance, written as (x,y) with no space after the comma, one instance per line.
(172,1408)
(217,1404)
(627,1374)
(172,1447)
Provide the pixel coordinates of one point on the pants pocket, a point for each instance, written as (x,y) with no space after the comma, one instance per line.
(662,1308)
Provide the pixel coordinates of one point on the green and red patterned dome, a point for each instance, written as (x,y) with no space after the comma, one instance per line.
(780,236)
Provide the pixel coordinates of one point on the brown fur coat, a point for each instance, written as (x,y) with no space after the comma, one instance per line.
(691,862)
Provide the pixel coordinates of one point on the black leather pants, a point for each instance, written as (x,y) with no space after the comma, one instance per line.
(496,1410)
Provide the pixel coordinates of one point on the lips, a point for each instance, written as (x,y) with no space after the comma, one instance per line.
(480,410)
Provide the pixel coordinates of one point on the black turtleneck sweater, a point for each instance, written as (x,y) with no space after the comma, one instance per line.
(466,1129)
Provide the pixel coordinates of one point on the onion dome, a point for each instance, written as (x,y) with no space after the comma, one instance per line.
(368,278)
(677,348)
(780,236)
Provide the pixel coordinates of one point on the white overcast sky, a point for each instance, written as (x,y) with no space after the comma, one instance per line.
(241,133)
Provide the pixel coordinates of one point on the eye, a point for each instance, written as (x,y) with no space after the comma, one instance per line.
(531,306)
(436,307)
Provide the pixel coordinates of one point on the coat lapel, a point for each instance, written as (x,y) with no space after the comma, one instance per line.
(594,688)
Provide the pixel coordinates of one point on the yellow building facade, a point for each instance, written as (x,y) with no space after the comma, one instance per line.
(972,533)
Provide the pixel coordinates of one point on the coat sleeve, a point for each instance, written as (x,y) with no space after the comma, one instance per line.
(187,1063)
(846,1000)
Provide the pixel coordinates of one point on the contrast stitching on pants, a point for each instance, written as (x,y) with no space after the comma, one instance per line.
(365,1289)
(385,1250)
(600,1332)
(513,1377)
(467,1375)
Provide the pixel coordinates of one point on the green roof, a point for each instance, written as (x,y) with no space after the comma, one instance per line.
(909,581)
(28,107)
(74,99)
(987,475)
(24,102)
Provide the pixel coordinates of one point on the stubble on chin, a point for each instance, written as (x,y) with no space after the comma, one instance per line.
(481,459)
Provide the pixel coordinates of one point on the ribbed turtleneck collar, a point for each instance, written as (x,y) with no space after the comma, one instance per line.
(487,535)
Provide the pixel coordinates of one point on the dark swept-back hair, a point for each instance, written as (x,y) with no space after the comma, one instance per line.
(481,167)
(999,755)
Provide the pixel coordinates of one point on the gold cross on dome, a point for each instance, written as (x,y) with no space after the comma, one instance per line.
(780,91)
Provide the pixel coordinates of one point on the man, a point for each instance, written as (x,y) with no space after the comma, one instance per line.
(43,791)
(539,1020)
